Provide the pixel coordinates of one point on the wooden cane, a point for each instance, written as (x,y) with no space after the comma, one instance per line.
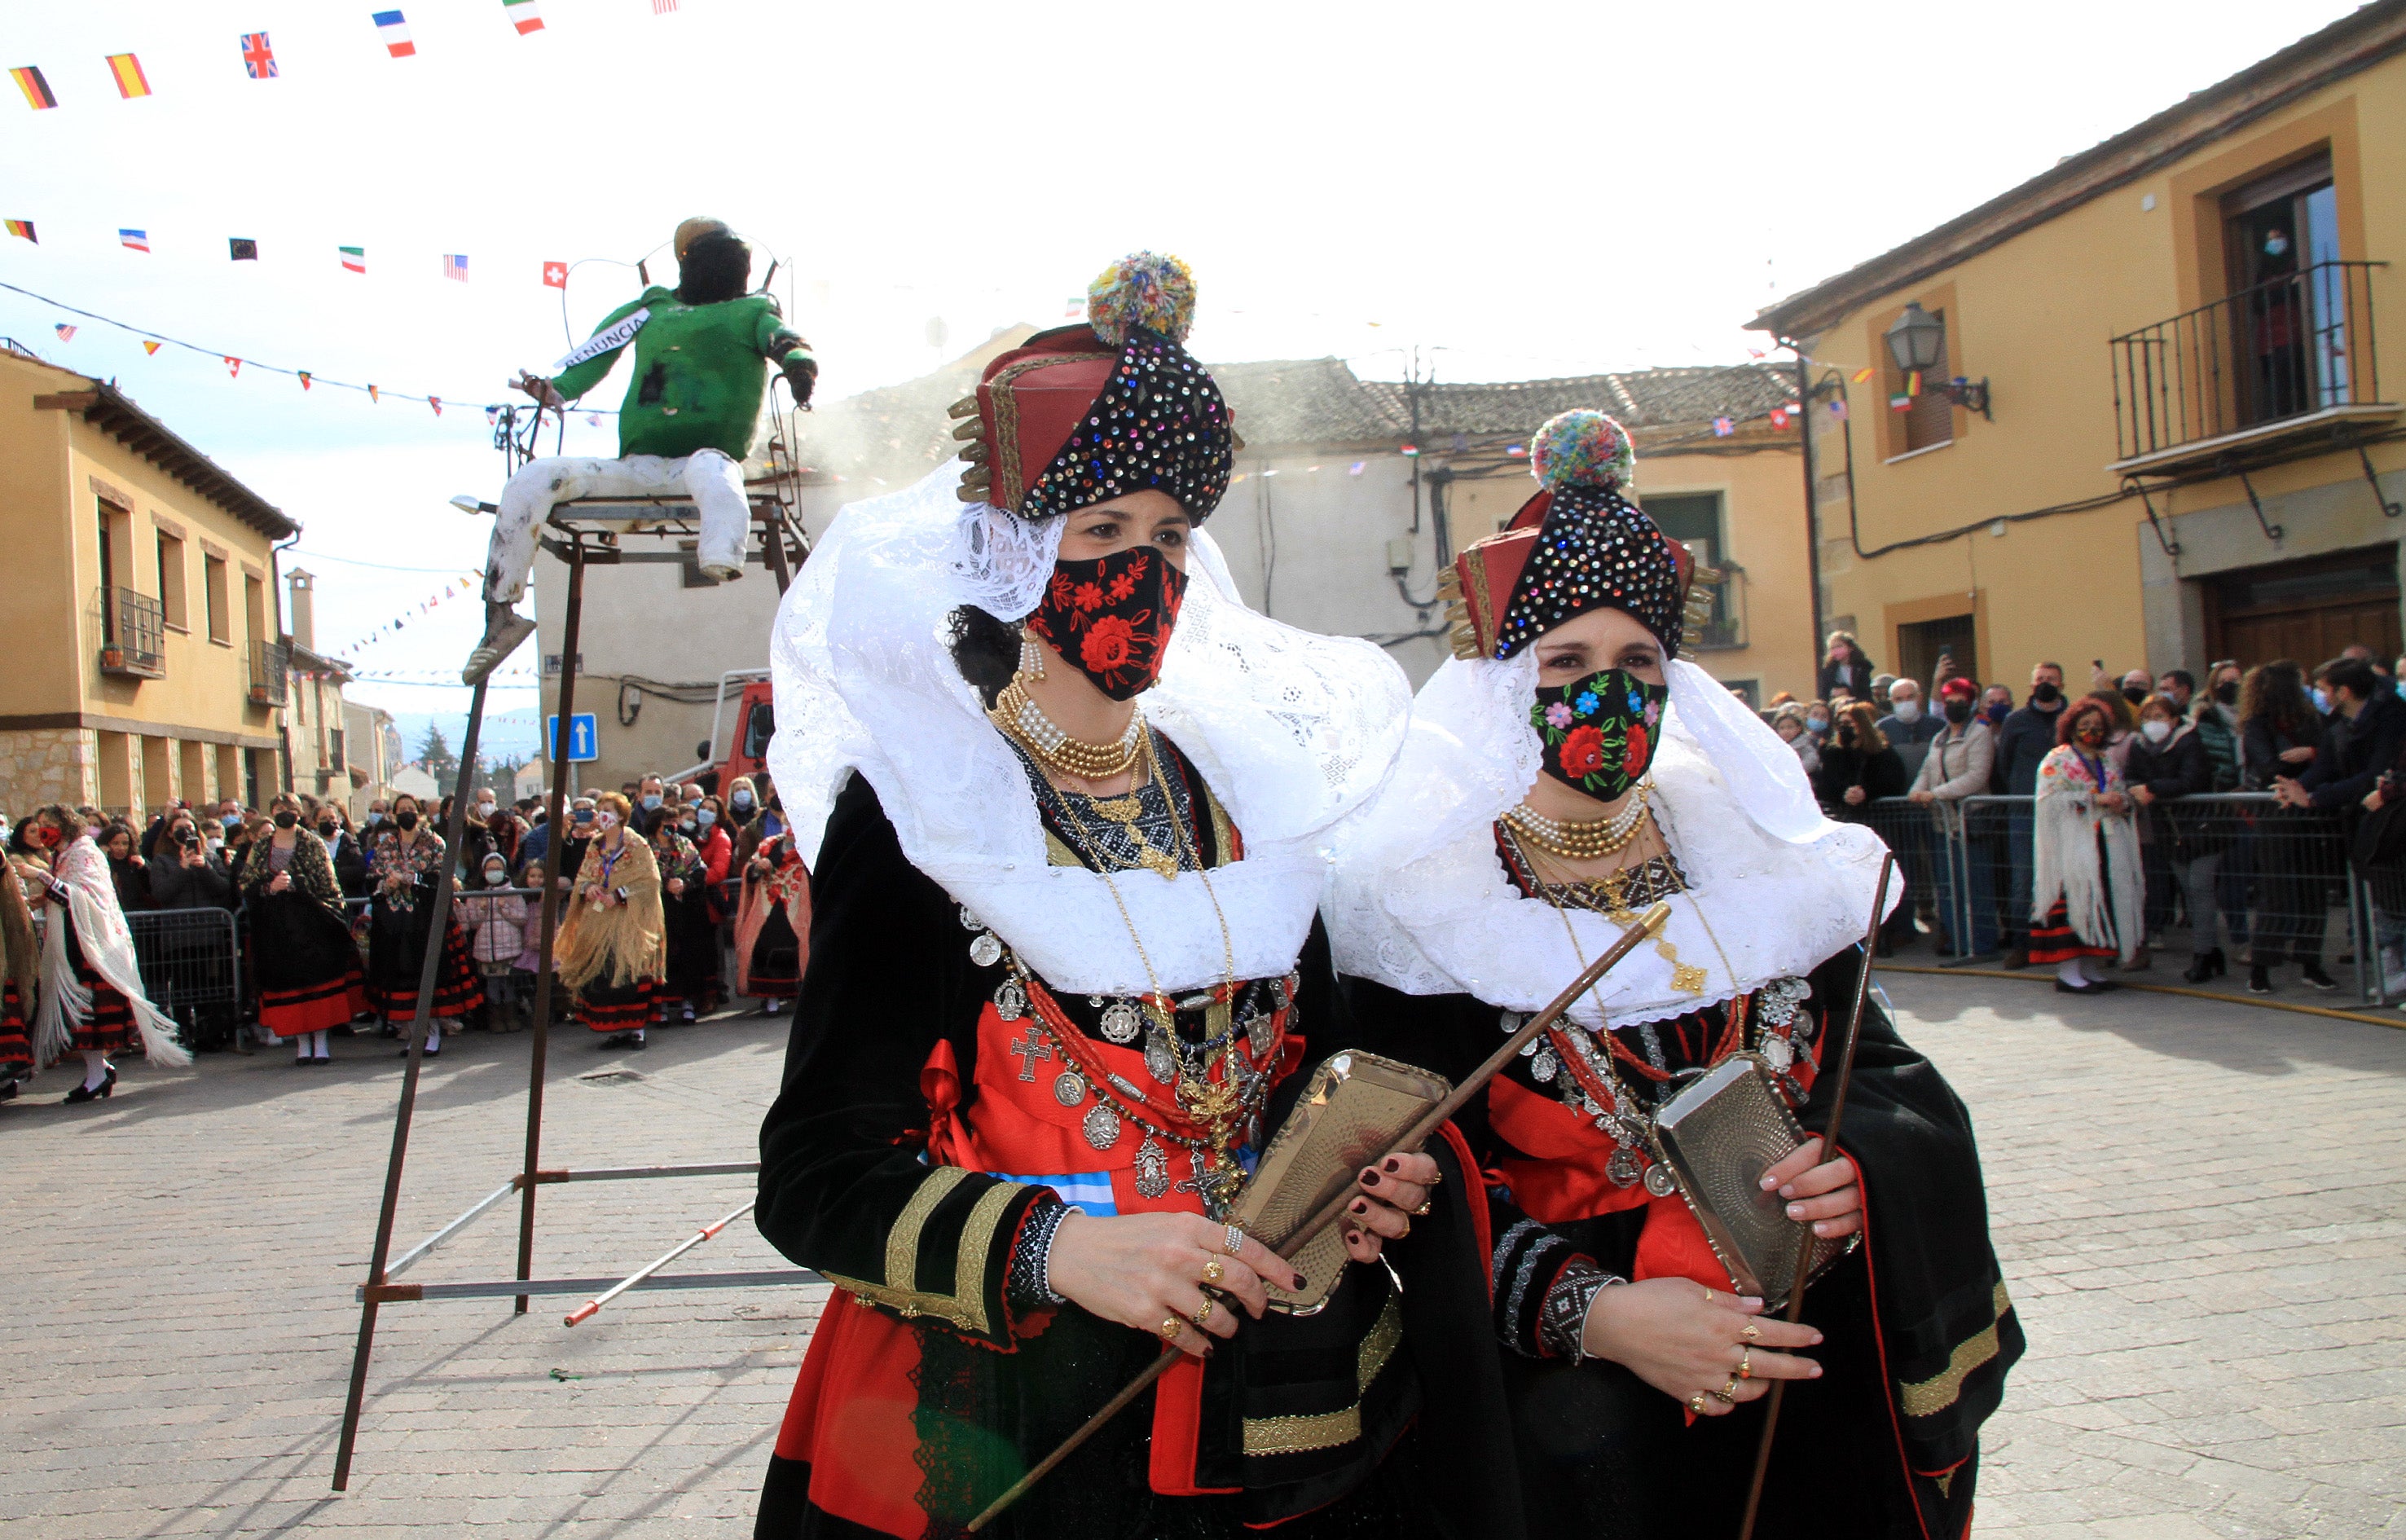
(1829,1148)
(1326,1214)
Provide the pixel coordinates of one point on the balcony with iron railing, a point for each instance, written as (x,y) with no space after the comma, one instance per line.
(132,635)
(1722,626)
(271,663)
(2290,360)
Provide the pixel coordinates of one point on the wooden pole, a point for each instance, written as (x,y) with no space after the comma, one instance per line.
(1648,924)
(1829,1150)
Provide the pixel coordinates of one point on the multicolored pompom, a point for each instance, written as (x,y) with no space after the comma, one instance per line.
(1144,289)
(1582,448)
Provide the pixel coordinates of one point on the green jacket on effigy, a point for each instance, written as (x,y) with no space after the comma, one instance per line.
(699,372)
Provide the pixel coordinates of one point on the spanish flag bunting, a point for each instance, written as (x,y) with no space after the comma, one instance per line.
(148,347)
(38,91)
(1862,374)
(22,227)
(233,367)
(130,81)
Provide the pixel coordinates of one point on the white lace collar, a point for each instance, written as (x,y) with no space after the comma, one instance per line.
(1291,731)
(1419,900)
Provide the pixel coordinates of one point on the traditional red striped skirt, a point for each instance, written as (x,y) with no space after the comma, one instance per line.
(112,1028)
(2055,942)
(458,989)
(16,1046)
(607,1008)
(314,1008)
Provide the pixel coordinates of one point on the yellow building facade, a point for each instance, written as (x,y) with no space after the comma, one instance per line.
(147,660)
(2152,429)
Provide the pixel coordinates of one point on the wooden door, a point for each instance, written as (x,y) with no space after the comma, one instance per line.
(2308,611)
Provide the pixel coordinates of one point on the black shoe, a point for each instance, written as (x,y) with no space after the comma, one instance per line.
(302,1062)
(93,1093)
(2259,978)
(2312,973)
(2094,986)
(2221,965)
(2200,969)
(638,1044)
(324,1058)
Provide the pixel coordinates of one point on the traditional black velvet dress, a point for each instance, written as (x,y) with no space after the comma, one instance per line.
(930,1388)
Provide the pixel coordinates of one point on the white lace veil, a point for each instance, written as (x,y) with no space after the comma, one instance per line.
(1292,730)
(1421,902)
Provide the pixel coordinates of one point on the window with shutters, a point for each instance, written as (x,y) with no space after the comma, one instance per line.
(1928,419)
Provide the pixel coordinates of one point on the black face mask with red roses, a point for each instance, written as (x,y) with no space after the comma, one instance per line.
(1112,618)
(1600,733)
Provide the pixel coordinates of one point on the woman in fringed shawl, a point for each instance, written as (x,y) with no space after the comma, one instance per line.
(684,903)
(613,946)
(20,972)
(2084,903)
(91,998)
(403,868)
(773,928)
(301,959)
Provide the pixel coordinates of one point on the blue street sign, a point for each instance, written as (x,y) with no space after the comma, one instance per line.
(584,738)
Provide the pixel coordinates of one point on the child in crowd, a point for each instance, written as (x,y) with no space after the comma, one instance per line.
(495,921)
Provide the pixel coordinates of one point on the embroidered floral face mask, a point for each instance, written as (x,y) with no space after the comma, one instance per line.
(1600,732)
(1112,618)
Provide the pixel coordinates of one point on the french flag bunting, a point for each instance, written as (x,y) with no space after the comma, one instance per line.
(395,33)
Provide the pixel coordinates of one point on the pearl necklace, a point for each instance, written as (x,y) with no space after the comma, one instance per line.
(1588,840)
(1023,719)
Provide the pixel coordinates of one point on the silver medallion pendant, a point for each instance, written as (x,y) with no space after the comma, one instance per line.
(986,951)
(1010,1001)
(1622,1169)
(1543,1067)
(1070,1089)
(1102,1125)
(1779,1053)
(1122,1022)
(1258,1032)
(1151,1169)
(1159,1060)
(969,921)
(1511,1021)
(1660,1181)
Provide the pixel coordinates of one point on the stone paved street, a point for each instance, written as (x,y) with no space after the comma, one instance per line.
(2199,1205)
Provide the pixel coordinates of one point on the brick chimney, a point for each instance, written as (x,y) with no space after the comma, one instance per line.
(305,608)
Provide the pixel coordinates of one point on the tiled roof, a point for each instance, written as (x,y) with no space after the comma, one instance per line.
(1640,399)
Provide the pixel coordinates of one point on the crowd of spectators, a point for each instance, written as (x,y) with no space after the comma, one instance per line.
(190,858)
(2151,759)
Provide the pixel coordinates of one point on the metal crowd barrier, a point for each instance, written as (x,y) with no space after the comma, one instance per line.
(190,961)
(2236,871)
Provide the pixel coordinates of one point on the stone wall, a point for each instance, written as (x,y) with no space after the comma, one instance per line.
(40,765)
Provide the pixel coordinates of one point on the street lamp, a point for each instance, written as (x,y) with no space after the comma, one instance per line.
(1916,340)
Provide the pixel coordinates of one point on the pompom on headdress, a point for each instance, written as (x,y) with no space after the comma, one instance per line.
(1082,413)
(1580,545)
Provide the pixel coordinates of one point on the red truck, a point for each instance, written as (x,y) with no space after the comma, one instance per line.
(755,722)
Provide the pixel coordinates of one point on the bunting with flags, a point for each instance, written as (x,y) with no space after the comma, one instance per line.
(555,275)
(66,333)
(134,240)
(24,229)
(149,348)
(127,70)
(355,258)
(257,57)
(522,15)
(241,248)
(455,267)
(38,91)
(393,32)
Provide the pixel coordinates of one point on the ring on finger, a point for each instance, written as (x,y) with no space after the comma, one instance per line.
(1204,1314)
(1235,1241)
(1746,1363)
(1212,1271)
(1422,1212)
(1727,1394)
(1751,1333)
(1170,1328)
(1696,1404)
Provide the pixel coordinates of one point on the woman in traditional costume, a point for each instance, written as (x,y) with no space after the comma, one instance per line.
(404,864)
(91,998)
(1063,951)
(773,927)
(613,944)
(692,976)
(20,972)
(1564,773)
(2086,902)
(301,958)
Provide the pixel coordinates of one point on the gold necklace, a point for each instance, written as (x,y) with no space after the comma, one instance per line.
(1583,839)
(1687,978)
(1127,807)
(1015,714)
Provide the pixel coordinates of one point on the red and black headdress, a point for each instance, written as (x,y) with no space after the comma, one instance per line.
(1580,545)
(1082,413)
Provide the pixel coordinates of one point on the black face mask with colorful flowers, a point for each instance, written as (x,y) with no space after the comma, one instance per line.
(1600,733)
(1112,618)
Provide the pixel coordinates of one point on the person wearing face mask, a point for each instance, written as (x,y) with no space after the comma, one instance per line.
(1907,727)
(2280,734)
(333,827)
(301,959)
(1859,767)
(651,805)
(90,999)
(20,975)
(495,919)
(1055,875)
(2087,892)
(691,982)
(1562,774)
(613,945)
(710,837)
(1789,723)
(403,870)
(1959,764)
(2180,853)
(2025,740)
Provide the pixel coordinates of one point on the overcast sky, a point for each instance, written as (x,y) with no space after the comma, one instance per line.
(1514,190)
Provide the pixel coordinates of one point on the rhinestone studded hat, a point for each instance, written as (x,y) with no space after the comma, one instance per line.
(1580,545)
(1081,414)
